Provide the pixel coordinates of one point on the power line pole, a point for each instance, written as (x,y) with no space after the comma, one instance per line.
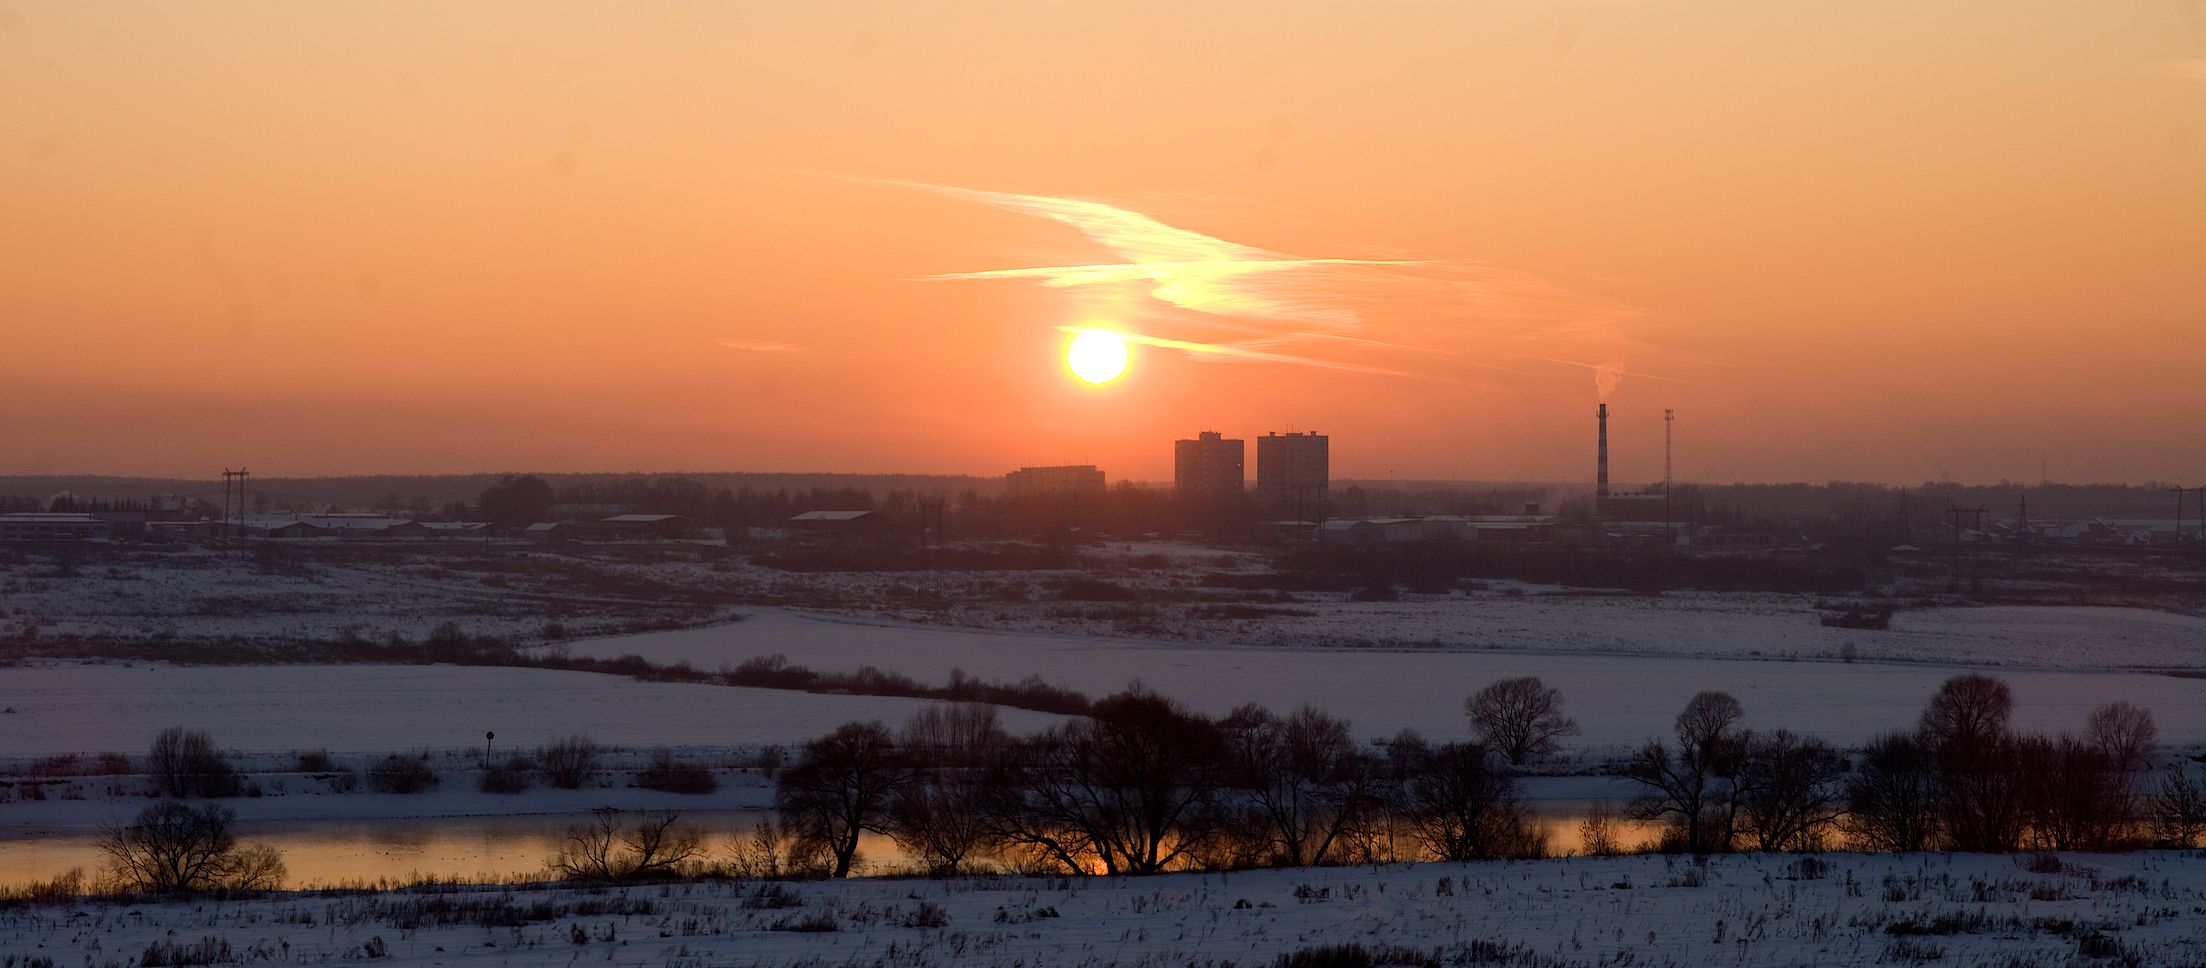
(233,534)
(233,482)
(2179,511)
(1669,418)
(1976,525)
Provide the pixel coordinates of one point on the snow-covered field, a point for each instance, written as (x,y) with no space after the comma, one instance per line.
(1694,624)
(381,708)
(1640,911)
(178,598)
(526,593)
(1618,700)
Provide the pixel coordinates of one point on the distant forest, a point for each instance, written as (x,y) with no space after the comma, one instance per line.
(754,499)
(440,490)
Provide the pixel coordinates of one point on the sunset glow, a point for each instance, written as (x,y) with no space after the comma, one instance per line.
(1882,240)
(830,475)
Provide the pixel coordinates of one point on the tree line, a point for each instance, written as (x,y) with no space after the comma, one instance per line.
(1142,785)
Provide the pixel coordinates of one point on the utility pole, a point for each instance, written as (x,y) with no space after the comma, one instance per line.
(2179,511)
(931,510)
(1669,418)
(231,534)
(1977,525)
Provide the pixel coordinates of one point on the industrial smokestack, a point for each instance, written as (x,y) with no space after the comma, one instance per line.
(1601,479)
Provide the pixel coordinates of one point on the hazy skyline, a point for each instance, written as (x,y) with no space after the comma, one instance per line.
(1864,241)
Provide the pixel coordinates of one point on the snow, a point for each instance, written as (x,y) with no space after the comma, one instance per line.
(1738,910)
(1700,624)
(1618,700)
(381,708)
(174,600)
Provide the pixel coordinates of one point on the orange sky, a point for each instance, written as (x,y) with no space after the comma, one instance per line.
(1862,240)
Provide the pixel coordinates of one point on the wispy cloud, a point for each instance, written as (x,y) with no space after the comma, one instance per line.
(1217,299)
(1183,268)
(761,346)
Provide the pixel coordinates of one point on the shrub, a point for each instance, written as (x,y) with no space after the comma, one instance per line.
(185,763)
(512,777)
(68,885)
(569,763)
(673,776)
(402,774)
(817,922)
(1353,955)
(209,950)
(929,915)
(313,761)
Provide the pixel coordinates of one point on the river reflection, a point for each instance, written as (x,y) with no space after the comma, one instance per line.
(332,853)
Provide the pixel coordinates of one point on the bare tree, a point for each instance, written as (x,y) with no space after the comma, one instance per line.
(1967,711)
(965,734)
(1694,791)
(940,814)
(2126,735)
(186,763)
(2073,797)
(941,818)
(841,786)
(1521,718)
(570,762)
(172,848)
(1789,791)
(1980,786)
(1463,806)
(1892,800)
(1132,789)
(1303,777)
(773,851)
(611,849)
(2179,808)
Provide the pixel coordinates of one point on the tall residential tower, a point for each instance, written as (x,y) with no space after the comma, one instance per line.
(1208,468)
(1292,471)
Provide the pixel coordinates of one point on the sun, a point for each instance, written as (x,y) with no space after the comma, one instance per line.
(1096,355)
